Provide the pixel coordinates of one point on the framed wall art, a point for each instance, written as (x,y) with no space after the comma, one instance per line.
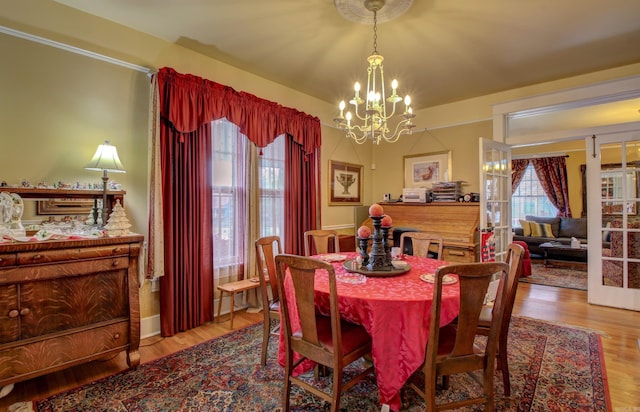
(345,183)
(422,170)
(64,206)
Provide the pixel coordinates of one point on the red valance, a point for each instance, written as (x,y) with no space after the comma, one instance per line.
(258,119)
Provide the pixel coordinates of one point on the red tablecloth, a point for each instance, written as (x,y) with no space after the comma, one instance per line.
(396,312)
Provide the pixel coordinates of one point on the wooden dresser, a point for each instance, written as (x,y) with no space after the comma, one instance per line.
(457,223)
(66,302)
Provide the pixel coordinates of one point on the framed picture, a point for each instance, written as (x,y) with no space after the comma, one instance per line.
(345,183)
(64,206)
(422,170)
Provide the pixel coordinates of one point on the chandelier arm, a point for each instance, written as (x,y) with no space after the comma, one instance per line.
(393,112)
(357,114)
(383,100)
(358,139)
(399,132)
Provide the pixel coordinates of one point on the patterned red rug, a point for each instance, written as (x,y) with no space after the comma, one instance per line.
(552,368)
(556,276)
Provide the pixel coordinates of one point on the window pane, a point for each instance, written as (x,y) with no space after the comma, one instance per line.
(529,199)
(228,193)
(271,183)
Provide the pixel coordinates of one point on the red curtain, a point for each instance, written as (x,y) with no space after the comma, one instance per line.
(186,289)
(301,204)
(187,105)
(518,167)
(188,101)
(552,174)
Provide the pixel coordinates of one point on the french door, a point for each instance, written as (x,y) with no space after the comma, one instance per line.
(613,214)
(495,196)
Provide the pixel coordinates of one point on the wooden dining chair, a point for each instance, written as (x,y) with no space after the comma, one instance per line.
(421,243)
(267,248)
(515,255)
(317,242)
(451,349)
(327,340)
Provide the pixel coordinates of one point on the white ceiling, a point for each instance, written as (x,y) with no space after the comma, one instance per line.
(439,50)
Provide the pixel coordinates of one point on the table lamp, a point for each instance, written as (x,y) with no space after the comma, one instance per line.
(105,160)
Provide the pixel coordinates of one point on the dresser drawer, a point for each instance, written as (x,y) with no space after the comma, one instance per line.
(28,273)
(458,255)
(47,355)
(8,259)
(48,256)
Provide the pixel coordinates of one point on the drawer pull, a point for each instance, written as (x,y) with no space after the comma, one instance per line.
(1,260)
(456,253)
(116,336)
(25,312)
(36,257)
(114,263)
(13,313)
(116,250)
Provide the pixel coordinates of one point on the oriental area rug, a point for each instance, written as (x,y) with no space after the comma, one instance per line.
(556,276)
(553,367)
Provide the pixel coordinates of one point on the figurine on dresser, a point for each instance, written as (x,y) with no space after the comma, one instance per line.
(11,209)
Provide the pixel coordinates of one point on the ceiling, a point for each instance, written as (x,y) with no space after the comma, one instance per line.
(440,51)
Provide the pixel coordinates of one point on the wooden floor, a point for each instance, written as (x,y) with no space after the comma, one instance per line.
(620,328)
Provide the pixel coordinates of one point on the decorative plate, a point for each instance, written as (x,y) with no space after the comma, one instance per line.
(431,278)
(352,266)
(333,257)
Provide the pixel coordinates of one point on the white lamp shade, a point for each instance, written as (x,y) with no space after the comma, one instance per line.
(106,158)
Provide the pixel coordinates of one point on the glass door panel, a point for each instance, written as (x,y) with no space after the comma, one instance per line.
(495,193)
(614,168)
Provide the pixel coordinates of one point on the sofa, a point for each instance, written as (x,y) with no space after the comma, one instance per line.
(550,229)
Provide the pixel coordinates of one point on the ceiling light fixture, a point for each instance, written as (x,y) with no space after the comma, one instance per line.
(378,109)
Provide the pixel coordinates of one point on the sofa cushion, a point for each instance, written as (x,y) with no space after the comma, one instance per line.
(526,227)
(573,227)
(541,230)
(553,221)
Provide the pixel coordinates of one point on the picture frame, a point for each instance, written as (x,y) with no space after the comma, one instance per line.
(64,206)
(345,183)
(425,169)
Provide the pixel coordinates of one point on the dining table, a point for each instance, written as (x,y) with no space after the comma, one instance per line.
(394,310)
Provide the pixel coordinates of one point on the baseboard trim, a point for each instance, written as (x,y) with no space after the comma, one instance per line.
(150,326)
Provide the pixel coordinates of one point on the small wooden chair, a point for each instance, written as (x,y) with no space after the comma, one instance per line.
(267,248)
(317,242)
(232,288)
(326,340)
(451,349)
(515,254)
(421,243)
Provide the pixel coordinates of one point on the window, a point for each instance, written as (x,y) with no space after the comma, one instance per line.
(271,184)
(529,199)
(230,168)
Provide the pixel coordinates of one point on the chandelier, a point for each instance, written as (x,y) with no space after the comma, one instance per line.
(375,114)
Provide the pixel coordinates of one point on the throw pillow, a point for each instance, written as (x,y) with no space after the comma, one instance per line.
(553,221)
(526,227)
(541,230)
